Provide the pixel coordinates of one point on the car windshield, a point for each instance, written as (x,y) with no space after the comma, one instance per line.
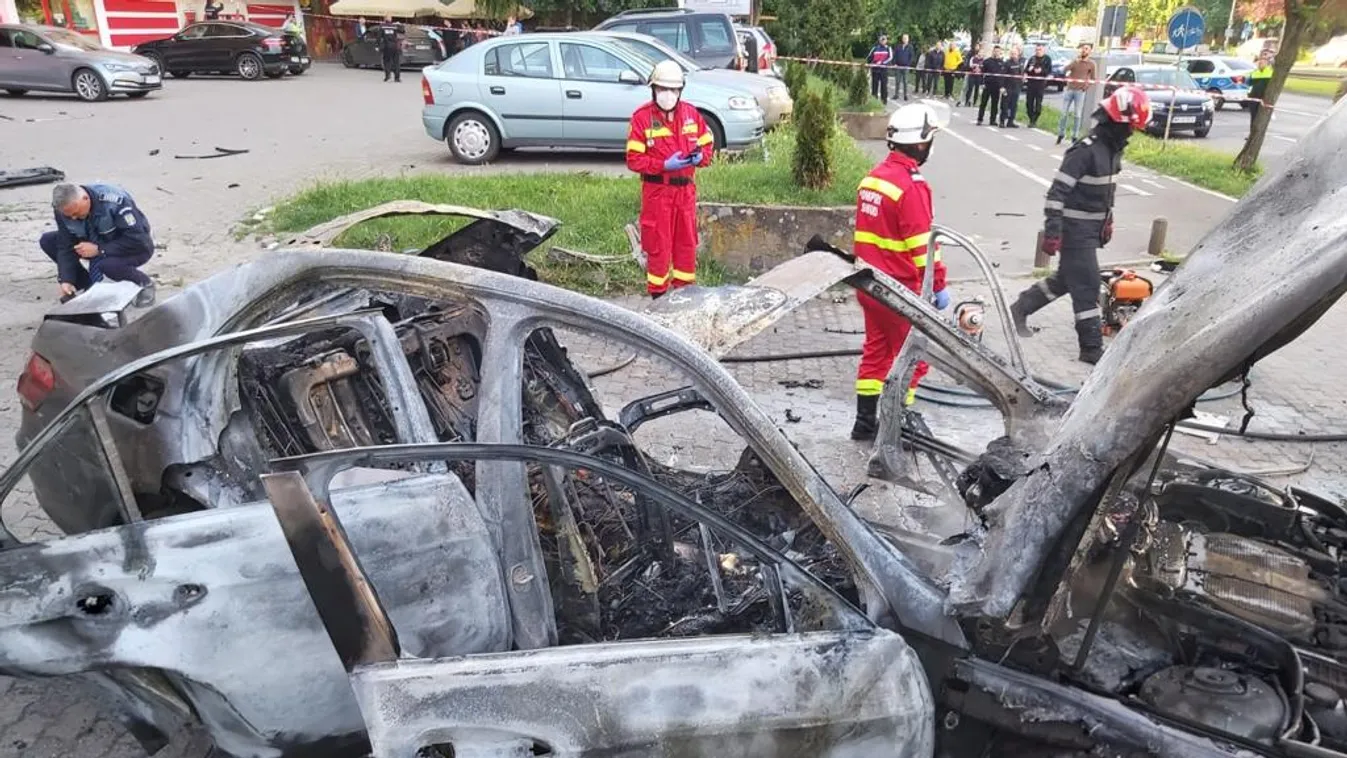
(1166,77)
(1237,64)
(67,38)
(655,51)
(647,57)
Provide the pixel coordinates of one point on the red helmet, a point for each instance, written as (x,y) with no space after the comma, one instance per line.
(1128,105)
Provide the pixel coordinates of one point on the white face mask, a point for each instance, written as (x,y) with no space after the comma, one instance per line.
(666,99)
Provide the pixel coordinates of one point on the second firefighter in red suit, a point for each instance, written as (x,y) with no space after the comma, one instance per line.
(667,142)
(893,234)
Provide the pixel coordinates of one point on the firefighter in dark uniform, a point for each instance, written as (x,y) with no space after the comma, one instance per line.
(1078,218)
(390,47)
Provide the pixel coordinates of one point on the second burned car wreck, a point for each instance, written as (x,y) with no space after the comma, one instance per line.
(340,502)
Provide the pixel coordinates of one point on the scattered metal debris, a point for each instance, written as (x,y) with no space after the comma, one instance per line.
(25,176)
(792,417)
(808,384)
(220,152)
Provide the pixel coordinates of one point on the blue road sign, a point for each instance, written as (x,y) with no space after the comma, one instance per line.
(1186,28)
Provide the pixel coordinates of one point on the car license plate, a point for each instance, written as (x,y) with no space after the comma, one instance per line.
(423,47)
(294,59)
(1185,119)
(152,79)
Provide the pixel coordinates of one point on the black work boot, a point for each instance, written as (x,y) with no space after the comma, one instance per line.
(1090,338)
(1091,355)
(867,418)
(1021,319)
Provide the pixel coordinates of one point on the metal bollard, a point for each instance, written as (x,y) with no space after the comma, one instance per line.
(1040,257)
(1159,229)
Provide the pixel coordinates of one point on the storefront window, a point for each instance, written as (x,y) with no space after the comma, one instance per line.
(82,14)
(30,11)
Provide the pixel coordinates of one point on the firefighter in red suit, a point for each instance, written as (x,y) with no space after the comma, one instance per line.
(893,234)
(667,142)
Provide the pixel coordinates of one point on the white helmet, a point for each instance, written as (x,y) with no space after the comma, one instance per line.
(667,74)
(917,122)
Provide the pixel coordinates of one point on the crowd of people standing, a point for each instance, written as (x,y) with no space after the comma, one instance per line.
(991,81)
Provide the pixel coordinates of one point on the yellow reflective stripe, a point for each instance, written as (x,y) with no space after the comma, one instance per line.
(893,245)
(705,140)
(885,188)
(663,131)
(690,129)
(919,260)
(658,281)
(635,146)
(869,387)
(911,396)
(684,276)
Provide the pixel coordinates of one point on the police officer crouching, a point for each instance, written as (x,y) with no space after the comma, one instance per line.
(1078,218)
(100,224)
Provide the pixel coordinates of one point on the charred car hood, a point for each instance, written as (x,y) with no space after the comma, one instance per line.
(1261,277)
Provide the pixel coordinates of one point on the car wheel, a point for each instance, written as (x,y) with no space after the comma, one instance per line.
(136,95)
(249,66)
(472,138)
(180,74)
(17,92)
(88,85)
(1203,131)
(1217,98)
(717,131)
(346,59)
(155,57)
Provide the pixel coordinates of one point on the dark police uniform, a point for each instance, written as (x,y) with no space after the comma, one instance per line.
(390,49)
(992,68)
(119,229)
(1078,208)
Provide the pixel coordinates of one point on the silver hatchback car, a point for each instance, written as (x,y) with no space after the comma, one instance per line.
(51,59)
(561,90)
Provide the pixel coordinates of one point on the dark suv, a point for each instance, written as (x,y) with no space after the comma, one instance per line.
(707,38)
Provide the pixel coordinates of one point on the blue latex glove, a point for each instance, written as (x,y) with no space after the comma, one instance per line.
(697,158)
(940,300)
(677,162)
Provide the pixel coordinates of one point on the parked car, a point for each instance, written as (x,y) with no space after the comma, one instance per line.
(1061,56)
(1226,79)
(766,47)
(50,59)
(1253,47)
(419,50)
(229,47)
(772,95)
(708,38)
(1169,87)
(560,90)
(1331,53)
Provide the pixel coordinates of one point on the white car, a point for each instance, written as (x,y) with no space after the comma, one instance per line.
(1226,79)
(1331,53)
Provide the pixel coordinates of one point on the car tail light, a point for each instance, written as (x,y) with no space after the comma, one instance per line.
(427,94)
(36,382)
(1237,79)
(273,43)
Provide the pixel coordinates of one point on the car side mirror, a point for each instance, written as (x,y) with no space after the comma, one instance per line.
(629,77)
(46,47)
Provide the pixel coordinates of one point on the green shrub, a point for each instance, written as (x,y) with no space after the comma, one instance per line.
(858,89)
(797,78)
(816,120)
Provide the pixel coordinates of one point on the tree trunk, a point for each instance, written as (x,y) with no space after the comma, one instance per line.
(989,25)
(1298,21)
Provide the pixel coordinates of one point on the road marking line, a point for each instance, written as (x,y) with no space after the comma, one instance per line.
(1011,138)
(1024,172)
(1136,190)
(1213,193)
(1153,183)
(1284,139)
(1036,148)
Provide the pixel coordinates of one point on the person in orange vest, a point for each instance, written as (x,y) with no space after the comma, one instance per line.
(893,234)
(667,142)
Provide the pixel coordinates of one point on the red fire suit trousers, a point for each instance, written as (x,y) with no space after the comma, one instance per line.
(885,332)
(669,234)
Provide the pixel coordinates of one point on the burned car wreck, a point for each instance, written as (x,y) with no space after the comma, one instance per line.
(340,502)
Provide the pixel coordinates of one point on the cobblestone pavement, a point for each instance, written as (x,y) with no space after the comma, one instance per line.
(299,131)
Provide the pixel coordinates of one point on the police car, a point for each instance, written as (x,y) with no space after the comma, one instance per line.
(1225,79)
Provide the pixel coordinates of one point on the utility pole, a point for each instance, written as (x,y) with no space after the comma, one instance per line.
(1230,25)
(989,25)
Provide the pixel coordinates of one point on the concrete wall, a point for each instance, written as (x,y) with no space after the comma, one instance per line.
(751,239)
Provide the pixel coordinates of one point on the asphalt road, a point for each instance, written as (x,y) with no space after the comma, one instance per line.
(334,123)
(1294,117)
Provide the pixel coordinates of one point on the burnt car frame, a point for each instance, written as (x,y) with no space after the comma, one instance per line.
(1109,600)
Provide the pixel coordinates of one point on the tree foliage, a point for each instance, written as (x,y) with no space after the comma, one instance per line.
(858,87)
(815,121)
(582,13)
(821,28)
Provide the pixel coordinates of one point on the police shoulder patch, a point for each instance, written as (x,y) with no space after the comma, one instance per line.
(129,217)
